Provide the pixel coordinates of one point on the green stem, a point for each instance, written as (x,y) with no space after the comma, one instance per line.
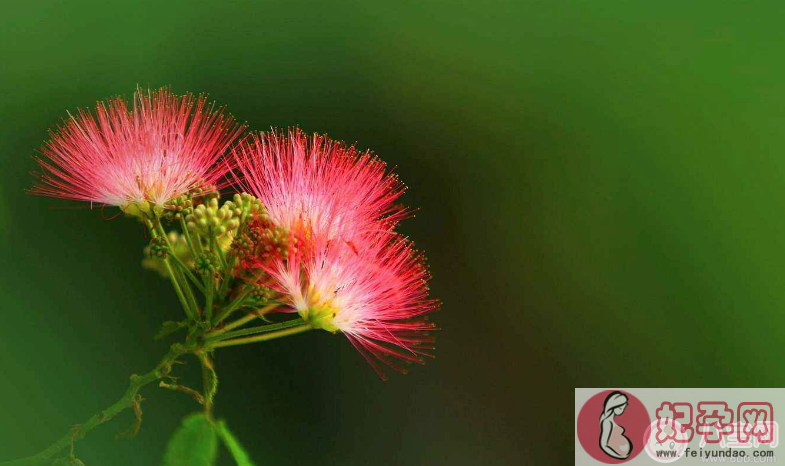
(189,294)
(137,382)
(198,243)
(188,273)
(209,381)
(254,330)
(244,320)
(187,235)
(208,306)
(227,276)
(218,251)
(182,282)
(209,283)
(237,323)
(262,337)
(233,305)
(172,276)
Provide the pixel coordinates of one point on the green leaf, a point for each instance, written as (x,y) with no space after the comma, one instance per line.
(169,327)
(234,447)
(195,443)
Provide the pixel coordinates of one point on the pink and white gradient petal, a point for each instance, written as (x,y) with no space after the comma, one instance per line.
(160,148)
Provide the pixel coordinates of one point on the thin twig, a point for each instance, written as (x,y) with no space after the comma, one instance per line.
(183,389)
(126,401)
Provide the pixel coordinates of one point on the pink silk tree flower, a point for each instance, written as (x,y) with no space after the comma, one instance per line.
(327,246)
(312,184)
(375,292)
(160,148)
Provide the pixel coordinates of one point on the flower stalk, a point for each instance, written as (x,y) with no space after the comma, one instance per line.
(187,235)
(234,304)
(181,286)
(244,320)
(254,330)
(263,337)
(172,276)
(184,269)
(181,281)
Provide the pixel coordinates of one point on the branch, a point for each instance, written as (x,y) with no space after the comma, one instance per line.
(183,389)
(128,400)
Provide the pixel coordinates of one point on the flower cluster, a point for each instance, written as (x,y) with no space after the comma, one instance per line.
(352,273)
(311,223)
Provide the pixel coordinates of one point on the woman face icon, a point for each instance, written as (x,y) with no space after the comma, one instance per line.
(619,410)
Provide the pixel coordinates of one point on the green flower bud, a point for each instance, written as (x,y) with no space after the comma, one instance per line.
(259,297)
(207,263)
(204,191)
(159,247)
(157,251)
(208,219)
(245,205)
(179,207)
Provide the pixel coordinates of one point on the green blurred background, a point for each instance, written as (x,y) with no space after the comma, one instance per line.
(600,188)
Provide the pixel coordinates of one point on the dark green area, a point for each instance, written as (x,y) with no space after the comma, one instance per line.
(600,188)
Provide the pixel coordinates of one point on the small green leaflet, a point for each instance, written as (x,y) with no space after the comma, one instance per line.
(195,443)
(234,447)
(169,327)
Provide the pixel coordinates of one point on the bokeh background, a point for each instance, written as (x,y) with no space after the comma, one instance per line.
(600,189)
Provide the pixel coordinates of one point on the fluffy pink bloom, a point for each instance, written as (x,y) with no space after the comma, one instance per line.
(310,183)
(374,292)
(348,272)
(158,149)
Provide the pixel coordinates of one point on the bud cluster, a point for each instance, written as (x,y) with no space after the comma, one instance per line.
(158,249)
(209,219)
(179,207)
(260,296)
(182,206)
(262,241)
(273,240)
(205,191)
(206,263)
(245,206)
